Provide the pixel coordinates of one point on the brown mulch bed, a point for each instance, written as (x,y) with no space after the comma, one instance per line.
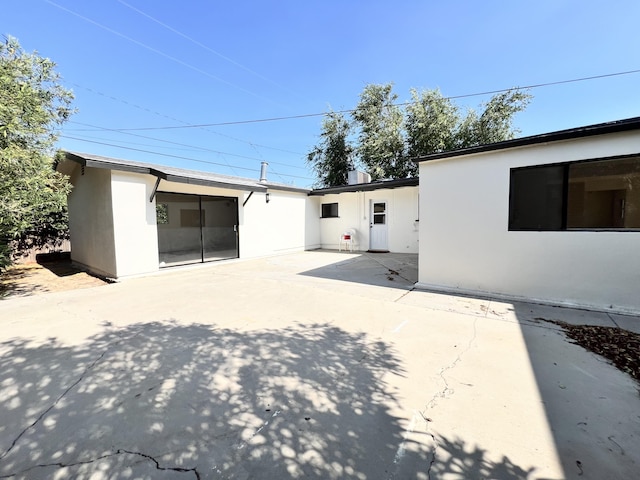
(621,347)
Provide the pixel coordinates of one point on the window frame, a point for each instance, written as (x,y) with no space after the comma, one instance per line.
(331,207)
(565,196)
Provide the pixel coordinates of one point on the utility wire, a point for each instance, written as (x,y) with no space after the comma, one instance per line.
(166,141)
(453,97)
(148,110)
(205,149)
(175,156)
(155,50)
(200,44)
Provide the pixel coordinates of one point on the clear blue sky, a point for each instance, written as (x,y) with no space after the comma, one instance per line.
(150,63)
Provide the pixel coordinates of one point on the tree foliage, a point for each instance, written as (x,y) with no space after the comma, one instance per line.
(33,196)
(381,145)
(388,138)
(332,159)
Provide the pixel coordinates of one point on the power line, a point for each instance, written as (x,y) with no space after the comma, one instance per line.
(200,44)
(148,110)
(155,50)
(165,141)
(89,137)
(184,145)
(175,156)
(453,97)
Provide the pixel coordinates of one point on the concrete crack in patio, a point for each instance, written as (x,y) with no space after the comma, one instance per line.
(444,393)
(433,453)
(120,451)
(158,467)
(57,464)
(52,406)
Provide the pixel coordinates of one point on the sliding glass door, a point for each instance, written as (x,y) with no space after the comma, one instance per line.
(194,228)
(219,227)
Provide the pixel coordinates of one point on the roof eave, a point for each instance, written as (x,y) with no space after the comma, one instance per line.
(573,133)
(366,187)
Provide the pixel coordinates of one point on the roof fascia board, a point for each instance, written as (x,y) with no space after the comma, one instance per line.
(571,134)
(367,187)
(88,162)
(284,188)
(213,183)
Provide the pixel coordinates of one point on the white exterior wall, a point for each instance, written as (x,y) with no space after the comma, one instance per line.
(114,232)
(466,246)
(284,224)
(134,224)
(354,211)
(91,221)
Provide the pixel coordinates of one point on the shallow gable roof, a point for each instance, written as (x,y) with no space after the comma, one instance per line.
(365,187)
(178,175)
(572,133)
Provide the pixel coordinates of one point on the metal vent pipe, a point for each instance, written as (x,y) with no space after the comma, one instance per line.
(263,172)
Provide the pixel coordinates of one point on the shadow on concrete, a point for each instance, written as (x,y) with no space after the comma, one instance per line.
(161,400)
(591,407)
(393,270)
(459,460)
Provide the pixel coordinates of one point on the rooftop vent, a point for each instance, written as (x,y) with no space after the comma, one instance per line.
(356,176)
(263,172)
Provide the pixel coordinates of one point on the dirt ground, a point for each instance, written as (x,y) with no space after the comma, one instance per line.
(35,278)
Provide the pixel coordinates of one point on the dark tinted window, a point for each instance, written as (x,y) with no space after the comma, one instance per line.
(329,210)
(536,198)
(589,195)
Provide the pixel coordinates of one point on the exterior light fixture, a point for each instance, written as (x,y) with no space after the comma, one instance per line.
(266,197)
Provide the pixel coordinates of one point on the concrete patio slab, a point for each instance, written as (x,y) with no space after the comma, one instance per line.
(309,365)
(627,322)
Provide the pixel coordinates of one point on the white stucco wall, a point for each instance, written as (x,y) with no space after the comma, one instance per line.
(91,221)
(354,213)
(276,227)
(134,224)
(465,244)
(284,224)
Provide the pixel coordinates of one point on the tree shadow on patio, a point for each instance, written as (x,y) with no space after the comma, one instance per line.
(161,399)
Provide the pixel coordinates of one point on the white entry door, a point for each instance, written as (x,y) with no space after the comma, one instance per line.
(378,221)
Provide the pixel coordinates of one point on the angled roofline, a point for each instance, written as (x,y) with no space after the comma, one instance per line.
(571,133)
(176,175)
(366,187)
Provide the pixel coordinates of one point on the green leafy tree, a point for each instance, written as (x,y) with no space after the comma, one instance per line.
(332,159)
(432,123)
(495,123)
(388,139)
(381,145)
(33,196)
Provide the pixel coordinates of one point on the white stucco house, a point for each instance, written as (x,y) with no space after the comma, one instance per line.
(382,215)
(553,218)
(129,218)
